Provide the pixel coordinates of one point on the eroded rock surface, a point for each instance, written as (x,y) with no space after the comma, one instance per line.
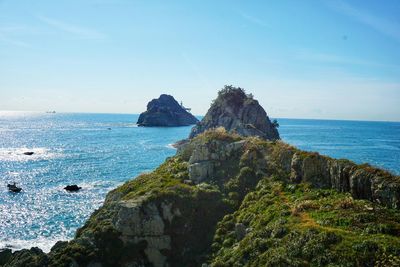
(237,112)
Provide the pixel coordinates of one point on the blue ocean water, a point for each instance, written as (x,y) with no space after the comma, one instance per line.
(376,143)
(80,149)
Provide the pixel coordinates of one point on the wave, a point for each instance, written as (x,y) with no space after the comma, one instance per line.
(44,243)
(171,146)
(39,153)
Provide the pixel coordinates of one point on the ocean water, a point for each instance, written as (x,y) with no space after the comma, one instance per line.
(376,143)
(101,151)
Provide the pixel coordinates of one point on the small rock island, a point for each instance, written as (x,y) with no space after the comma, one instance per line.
(166,112)
(237,112)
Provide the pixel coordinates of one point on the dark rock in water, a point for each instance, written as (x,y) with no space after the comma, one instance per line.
(29,153)
(14,188)
(237,112)
(165,111)
(72,188)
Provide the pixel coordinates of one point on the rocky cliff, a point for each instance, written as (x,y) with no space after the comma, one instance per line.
(227,200)
(165,111)
(237,112)
(230,200)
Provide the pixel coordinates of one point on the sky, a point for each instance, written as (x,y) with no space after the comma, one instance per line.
(301,59)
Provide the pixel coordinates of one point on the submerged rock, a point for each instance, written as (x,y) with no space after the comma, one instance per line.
(166,111)
(237,112)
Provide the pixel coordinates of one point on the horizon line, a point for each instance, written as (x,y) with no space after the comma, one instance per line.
(198,115)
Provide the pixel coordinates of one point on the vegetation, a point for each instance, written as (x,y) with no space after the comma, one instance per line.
(297,225)
(275,123)
(249,213)
(232,96)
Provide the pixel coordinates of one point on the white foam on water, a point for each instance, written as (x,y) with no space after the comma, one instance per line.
(44,243)
(39,153)
(171,146)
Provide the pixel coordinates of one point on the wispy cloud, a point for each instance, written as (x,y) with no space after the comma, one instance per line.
(337,59)
(382,25)
(253,19)
(7,35)
(79,31)
(11,41)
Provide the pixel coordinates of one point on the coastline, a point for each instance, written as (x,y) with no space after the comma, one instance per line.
(283,128)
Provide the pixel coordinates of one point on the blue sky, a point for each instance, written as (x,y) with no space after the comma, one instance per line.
(301,59)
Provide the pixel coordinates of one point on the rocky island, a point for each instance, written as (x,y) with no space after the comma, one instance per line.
(239,198)
(239,113)
(166,112)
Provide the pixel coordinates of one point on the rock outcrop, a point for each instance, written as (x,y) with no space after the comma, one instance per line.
(237,112)
(220,159)
(165,111)
(72,188)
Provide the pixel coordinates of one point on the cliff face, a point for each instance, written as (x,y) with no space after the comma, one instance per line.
(165,111)
(237,112)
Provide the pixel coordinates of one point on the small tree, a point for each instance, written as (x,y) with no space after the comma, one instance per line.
(275,123)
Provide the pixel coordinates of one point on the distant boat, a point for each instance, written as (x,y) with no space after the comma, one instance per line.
(14,188)
(51,111)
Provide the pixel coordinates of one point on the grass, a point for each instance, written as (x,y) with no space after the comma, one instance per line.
(298,225)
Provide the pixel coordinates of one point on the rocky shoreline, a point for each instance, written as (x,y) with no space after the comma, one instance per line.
(234,199)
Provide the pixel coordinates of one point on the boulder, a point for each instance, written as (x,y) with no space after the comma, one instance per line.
(213,160)
(237,112)
(166,111)
(72,188)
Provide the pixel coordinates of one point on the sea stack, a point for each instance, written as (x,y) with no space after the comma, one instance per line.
(237,112)
(166,112)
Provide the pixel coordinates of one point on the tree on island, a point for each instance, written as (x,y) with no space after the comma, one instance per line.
(275,123)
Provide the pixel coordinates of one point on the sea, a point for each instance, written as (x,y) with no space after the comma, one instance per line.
(101,151)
